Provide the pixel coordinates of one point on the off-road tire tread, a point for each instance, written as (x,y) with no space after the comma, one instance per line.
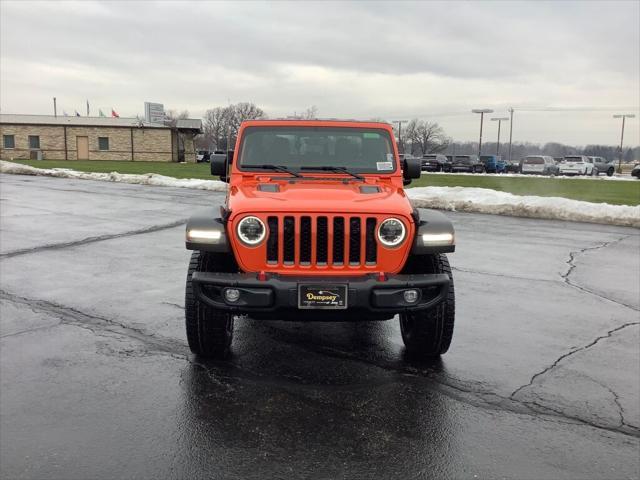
(431,332)
(209,331)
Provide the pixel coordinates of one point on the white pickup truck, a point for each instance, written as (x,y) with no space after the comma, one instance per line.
(576,165)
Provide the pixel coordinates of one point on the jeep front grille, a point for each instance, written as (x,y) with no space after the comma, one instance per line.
(322,241)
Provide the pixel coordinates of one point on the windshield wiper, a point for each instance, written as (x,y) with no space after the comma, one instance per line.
(277,168)
(334,169)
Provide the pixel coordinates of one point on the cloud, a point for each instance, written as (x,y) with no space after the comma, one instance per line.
(360,59)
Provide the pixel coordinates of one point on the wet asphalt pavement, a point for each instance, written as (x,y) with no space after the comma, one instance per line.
(542,380)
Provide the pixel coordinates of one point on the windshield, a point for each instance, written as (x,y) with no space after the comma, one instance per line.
(463,159)
(534,160)
(360,150)
(573,159)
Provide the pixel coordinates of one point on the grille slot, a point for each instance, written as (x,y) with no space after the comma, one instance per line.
(338,241)
(354,241)
(322,241)
(325,241)
(305,240)
(371,246)
(272,240)
(289,240)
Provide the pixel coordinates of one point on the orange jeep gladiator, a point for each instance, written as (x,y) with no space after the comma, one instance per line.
(316,226)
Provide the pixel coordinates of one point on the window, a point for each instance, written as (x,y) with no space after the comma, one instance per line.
(34,141)
(9,141)
(103,143)
(361,150)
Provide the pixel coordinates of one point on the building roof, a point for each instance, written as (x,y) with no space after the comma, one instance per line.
(189,124)
(77,121)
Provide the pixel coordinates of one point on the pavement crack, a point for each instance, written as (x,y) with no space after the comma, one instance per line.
(566,277)
(99,238)
(29,330)
(568,354)
(95,323)
(502,275)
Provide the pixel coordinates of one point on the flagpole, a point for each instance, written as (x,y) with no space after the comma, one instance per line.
(87,107)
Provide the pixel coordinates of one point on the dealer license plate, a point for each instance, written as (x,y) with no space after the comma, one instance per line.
(322,296)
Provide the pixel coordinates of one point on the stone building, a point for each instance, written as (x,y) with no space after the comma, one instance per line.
(96,138)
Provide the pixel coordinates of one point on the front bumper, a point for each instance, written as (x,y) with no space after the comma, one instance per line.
(276,296)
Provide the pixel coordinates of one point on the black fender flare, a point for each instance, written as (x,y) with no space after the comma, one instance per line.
(206,231)
(432,222)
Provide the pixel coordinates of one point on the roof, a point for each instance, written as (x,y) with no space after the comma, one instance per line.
(77,121)
(337,120)
(317,123)
(189,124)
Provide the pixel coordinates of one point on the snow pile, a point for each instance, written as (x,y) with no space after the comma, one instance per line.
(602,176)
(484,200)
(464,199)
(141,179)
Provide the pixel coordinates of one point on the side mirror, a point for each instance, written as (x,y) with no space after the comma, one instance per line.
(219,165)
(411,168)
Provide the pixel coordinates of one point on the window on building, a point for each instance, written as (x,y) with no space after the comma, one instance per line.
(34,141)
(9,141)
(103,143)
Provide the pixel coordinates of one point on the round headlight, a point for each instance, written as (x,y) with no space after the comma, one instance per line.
(391,232)
(251,230)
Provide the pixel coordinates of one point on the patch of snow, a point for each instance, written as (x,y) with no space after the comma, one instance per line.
(141,179)
(464,199)
(484,200)
(602,176)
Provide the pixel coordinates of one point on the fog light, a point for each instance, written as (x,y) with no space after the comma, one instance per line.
(411,296)
(231,295)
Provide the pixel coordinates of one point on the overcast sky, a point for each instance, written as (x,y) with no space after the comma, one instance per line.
(365,59)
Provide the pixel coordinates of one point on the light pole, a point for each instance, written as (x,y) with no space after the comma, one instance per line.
(499,120)
(510,131)
(400,122)
(481,111)
(623,116)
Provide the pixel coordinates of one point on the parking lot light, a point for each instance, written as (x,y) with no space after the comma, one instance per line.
(624,116)
(481,111)
(499,120)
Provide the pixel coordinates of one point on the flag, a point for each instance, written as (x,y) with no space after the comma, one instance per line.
(114,113)
(77,114)
(65,113)
(101,113)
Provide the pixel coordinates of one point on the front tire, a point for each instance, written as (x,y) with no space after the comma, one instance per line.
(209,330)
(428,333)
(610,172)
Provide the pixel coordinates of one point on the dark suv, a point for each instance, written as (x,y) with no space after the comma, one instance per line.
(434,162)
(467,163)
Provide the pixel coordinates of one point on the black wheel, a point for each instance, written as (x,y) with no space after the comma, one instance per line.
(209,331)
(428,333)
(610,172)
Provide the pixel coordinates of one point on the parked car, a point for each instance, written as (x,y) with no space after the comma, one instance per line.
(203,156)
(602,165)
(434,162)
(327,236)
(576,165)
(513,166)
(636,171)
(467,163)
(493,163)
(540,165)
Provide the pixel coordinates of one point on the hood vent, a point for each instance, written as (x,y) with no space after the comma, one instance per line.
(369,189)
(268,187)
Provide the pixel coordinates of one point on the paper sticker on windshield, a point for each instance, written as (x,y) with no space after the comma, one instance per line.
(384,166)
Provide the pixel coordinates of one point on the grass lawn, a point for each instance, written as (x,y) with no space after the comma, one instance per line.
(609,191)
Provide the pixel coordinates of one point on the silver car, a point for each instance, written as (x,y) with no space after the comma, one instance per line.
(602,165)
(540,165)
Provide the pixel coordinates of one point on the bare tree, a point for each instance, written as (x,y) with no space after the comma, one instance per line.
(172,116)
(221,124)
(310,113)
(425,137)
